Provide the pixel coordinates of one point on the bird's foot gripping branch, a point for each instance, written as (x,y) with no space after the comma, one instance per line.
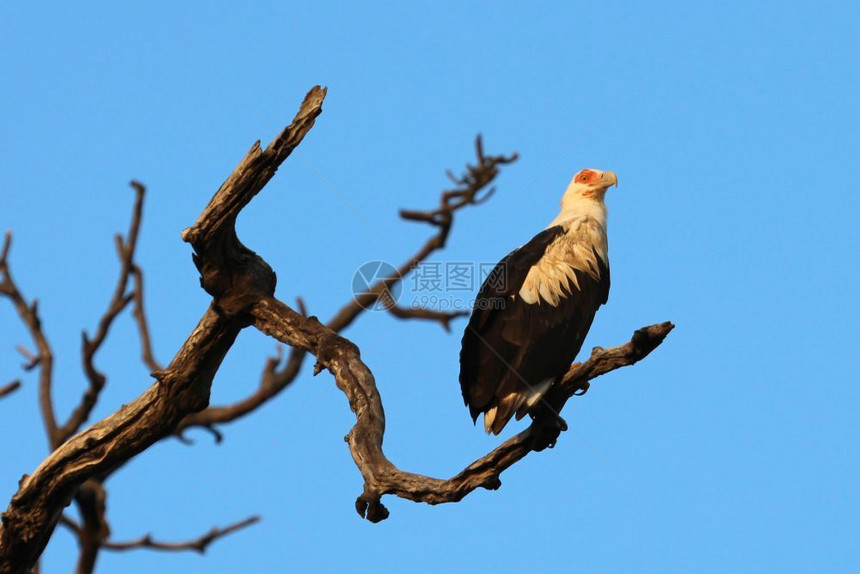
(242,286)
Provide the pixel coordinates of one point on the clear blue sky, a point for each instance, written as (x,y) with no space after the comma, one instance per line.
(733,130)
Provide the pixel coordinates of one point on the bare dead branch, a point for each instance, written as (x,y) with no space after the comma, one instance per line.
(197,545)
(70,524)
(91,500)
(32,359)
(29,314)
(272,381)
(603,361)
(467,191)
(242,287)
(10,388)
(235,276)
(471,189)
(119,301)
(180,389)
(139,314)
(4,252)
(444,318)
(342,358)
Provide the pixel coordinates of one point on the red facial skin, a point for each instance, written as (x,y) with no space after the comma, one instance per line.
(587,176)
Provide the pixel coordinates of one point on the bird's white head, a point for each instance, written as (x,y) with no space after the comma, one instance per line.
(590,184)
(584,195)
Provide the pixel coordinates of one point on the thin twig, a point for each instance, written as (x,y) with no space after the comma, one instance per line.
(29,314)
(70,524)
(10,388)
(197,545)
(32,359)
(119,301)
(471,188)
(139,314)
(444,318)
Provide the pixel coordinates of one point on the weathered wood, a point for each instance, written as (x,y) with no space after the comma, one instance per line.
(242,286)
(235,277)
(183,387)
(343,359)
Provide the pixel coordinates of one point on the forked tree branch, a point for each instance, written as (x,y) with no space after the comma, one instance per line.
(232,273)
(470,188)
(242,286)
(125,248)
(273,380)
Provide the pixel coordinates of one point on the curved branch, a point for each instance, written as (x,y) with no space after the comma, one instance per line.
(233,274)
(272,381)
(342,358)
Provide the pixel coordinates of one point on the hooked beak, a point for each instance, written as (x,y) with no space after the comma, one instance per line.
(609,179)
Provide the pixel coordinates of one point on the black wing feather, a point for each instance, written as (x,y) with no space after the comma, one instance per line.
(509,345)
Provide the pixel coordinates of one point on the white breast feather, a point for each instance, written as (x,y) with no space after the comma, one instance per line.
(552,277)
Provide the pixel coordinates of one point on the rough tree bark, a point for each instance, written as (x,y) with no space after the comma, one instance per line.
(242,287)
